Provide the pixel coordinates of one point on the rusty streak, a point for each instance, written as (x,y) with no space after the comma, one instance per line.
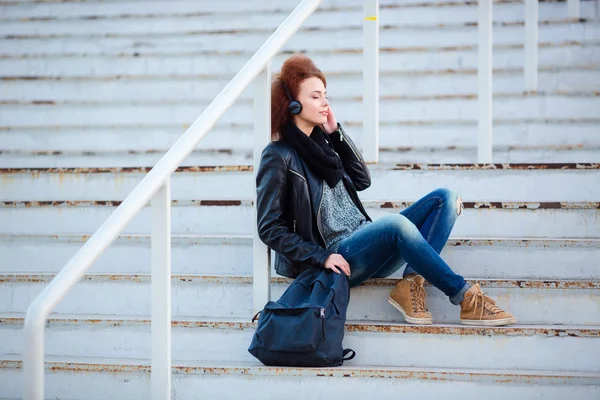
(247,280)
(351,326)
(518,167)
(258,371)
(368,204)
(119,170)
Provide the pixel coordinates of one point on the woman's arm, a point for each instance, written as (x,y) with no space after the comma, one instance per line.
(352,160)
(271,193)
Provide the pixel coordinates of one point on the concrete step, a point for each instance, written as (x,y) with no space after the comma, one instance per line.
(234,217)
(181,88)
(568,349)
(99,379)
(393,38)
(532,302)
(440,154)
(400,182)
(548,259)
(128,146)
(520,108)
(324,21)
(433,12)
(191,59)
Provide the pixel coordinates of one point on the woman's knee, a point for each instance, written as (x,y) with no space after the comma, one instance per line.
(450,198)
(401,228)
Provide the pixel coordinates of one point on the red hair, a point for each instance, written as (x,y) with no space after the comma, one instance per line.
(294,70)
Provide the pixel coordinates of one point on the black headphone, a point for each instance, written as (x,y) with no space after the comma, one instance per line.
(294,107)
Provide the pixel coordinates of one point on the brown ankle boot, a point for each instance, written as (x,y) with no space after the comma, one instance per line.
(478,309)
(408,297)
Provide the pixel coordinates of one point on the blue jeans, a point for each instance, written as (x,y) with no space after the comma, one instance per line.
(415,236)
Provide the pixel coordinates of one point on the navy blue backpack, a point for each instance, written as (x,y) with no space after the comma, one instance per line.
(305,327)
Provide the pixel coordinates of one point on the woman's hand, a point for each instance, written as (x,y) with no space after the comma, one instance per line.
(336,261)
(331,125)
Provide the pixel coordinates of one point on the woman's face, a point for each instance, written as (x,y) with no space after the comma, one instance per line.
(315,106)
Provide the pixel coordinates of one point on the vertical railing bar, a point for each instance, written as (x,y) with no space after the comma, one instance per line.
(531,45)
(262,135)
(370,133)
(484,82)
(574,9)
(161,293)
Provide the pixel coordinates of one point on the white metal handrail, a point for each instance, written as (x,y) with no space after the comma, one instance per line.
(154,186)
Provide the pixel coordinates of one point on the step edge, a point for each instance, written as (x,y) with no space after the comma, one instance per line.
(249,369)
(45,277)
(15,320)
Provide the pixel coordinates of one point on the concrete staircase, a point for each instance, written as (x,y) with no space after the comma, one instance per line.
(101,89)
(538,256)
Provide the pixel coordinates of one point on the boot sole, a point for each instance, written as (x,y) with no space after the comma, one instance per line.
(410,320)
(491,322)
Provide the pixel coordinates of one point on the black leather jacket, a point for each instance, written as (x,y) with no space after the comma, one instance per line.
(289,199)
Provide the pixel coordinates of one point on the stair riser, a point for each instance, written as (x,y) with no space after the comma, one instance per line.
(577,223)
(101,386)
(173,63)
(258,18)
(395,185)
(383,349)
(430,15)
(510,109)
(130,256)
(169,90)
(530,306)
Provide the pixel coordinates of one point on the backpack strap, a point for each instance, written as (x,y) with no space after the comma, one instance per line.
(256,315)
(345,353)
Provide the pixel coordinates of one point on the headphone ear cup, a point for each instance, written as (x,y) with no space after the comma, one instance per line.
(295,107)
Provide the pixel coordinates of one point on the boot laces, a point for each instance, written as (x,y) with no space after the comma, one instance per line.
(419,296)
(485,303)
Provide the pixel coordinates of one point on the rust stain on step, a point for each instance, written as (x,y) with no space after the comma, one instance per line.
(118,170)
(518,167)
(248,280)
(248,168)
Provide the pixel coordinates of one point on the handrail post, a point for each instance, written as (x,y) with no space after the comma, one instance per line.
(531,45)
(161,293)
(370,134)
(573,6)
(484,82)
(262,135)
(33,361)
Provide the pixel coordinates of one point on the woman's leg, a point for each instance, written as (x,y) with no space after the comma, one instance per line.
(386,244)
(434,215)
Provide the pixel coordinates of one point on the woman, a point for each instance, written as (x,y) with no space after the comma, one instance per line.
(310,214)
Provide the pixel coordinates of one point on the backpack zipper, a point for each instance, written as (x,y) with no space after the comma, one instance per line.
(323,322)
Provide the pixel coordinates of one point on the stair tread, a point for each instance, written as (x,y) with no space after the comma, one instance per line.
(16,319)
(242,238)
(421,167)
(246,279)
(255,368)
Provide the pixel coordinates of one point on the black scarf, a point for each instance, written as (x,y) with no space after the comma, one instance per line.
(316,152)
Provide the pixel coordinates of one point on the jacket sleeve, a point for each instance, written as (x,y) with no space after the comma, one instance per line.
(352,160)
(271,193)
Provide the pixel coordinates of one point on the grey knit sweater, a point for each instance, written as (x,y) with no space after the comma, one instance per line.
(339,215)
